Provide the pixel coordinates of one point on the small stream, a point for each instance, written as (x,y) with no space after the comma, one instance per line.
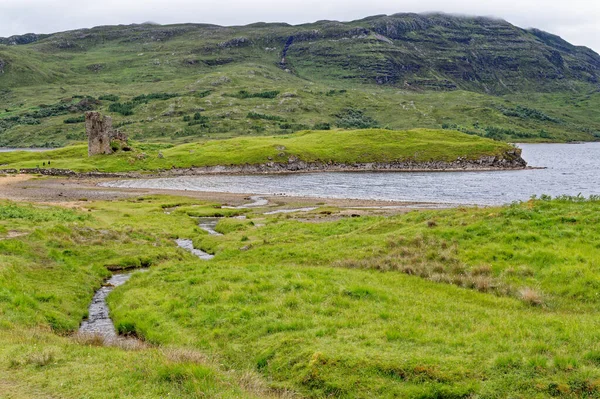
(208,225)
(188,245)
(98,321)
(256,202)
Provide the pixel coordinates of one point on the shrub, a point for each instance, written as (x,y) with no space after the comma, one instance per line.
(124,109)
(528,113)
(202,122)
(75,136)
(203,94)
(115,145)
(498,133)
(322,126)
(28,121)
(351,118)
(293,126)
(144,98)
(254,115)
(334,92)
(109,97)
(243,94)
(78,119)
(531,296)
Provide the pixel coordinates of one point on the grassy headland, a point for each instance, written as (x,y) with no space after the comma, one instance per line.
(335,146)
(495,302)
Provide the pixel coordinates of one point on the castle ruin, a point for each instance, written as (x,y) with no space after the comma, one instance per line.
(100,133)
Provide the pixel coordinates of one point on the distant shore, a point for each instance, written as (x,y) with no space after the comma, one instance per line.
(296,166)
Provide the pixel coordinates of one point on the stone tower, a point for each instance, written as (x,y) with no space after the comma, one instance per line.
(99,131)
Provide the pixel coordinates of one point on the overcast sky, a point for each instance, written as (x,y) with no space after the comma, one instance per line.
(577,21)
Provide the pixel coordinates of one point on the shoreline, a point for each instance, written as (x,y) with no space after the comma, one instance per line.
(488,164)
(80,192)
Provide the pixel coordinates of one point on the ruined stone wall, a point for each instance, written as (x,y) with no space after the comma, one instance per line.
(99,131)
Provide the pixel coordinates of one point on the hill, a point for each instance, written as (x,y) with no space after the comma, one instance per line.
(478,75)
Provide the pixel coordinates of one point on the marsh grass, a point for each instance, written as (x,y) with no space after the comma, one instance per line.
(347,307)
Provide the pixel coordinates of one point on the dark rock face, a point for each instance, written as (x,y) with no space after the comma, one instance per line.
(443,52)
(21,39)
(2,65)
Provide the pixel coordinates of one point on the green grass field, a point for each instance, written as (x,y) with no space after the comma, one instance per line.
(461,303)
(339,146)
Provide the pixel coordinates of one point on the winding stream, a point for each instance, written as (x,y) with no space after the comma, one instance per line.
(188,245)
(257,202)
(99,321)
(208,225)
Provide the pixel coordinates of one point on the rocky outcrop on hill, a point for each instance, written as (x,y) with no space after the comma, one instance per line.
(21,39)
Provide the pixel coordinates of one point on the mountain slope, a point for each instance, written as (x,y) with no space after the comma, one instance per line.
(437,70)
(422,51)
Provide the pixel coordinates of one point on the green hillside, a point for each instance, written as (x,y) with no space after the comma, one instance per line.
(480,76)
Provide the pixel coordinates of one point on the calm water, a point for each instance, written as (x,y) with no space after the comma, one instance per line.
(571,169)
(3,149)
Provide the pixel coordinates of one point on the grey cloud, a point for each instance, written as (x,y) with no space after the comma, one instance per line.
(574,20)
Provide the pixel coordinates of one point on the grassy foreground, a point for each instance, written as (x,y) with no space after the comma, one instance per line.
(490,303)
(369,145)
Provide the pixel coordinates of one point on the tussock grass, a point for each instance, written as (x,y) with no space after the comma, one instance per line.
(531,296)
(353,307)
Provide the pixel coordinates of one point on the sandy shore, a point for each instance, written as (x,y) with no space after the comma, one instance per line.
(75,192)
